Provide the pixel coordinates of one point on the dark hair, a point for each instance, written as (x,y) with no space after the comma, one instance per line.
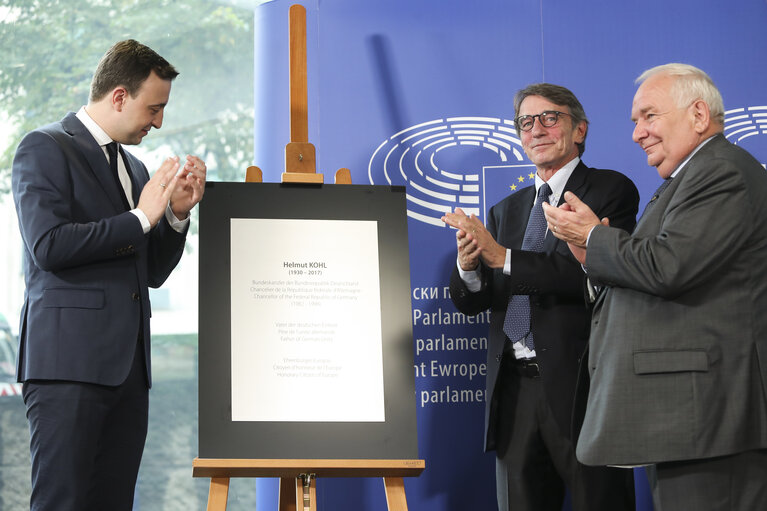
(128,63)
(560,96)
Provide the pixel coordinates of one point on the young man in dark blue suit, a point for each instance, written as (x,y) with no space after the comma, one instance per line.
(539,322)
(97,232)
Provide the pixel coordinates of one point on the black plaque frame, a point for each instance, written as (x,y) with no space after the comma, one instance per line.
(219,436)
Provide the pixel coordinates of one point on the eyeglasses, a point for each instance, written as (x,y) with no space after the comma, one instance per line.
(547,119)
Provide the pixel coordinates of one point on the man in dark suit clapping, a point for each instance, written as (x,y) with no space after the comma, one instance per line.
(97,232)
(539,324)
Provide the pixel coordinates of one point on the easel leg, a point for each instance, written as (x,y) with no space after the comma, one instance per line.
(218,493)
(395,493)
(306,492)
(287,494)
(298,494)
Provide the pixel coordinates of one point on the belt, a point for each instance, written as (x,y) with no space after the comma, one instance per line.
(527,367)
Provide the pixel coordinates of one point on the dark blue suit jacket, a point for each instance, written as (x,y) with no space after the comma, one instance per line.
(555,282)
(87,262)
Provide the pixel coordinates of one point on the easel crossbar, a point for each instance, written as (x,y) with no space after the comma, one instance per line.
(220,467)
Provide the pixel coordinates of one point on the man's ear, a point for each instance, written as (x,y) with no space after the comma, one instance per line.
(701,116)
(118,97)
(580,132)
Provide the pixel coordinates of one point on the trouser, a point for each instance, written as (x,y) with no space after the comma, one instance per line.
(729,483)
(535,458)
(87,441)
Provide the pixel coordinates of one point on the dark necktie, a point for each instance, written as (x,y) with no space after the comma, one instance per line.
(516,324)
(657,193)
(113,155)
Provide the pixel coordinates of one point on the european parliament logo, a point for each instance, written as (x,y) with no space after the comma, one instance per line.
(746,127)
(466,162)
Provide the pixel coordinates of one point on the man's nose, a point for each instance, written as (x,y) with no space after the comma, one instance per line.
(639,132)
(538,128)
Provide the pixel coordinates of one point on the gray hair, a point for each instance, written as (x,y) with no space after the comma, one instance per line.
(559,96)
(690,84)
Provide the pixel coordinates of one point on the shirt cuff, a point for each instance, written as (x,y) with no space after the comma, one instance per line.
(472,278)
(145,225)
(592,289)
(175,223)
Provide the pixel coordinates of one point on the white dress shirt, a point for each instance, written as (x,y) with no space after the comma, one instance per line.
(103,140)
(473,279)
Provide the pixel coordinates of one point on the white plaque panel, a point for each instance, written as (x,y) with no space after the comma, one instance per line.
(306,321)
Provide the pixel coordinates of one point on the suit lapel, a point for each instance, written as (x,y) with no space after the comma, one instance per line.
(94,156)
(652,217)
(574,184)
(576,181)
(516,217)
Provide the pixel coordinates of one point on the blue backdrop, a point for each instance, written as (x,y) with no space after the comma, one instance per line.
(420,93)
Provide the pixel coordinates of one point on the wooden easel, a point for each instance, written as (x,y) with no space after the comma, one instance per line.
(300,160)
(298,476)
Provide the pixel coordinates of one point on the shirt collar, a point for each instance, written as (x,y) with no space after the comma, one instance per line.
(95,130)
(558,181)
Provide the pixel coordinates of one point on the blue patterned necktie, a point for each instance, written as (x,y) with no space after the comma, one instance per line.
(516,324)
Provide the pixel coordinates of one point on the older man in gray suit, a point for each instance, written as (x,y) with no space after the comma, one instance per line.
(678,359)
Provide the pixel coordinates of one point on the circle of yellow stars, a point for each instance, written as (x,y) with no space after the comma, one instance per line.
(521,179)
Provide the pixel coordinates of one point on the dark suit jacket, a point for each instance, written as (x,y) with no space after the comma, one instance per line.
(87,262)
(555,282)
(678,358)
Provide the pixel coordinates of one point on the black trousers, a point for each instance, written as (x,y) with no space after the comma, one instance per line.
(728,483)
(535,457)
(87,441)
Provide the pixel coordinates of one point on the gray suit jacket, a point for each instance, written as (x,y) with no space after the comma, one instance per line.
(678,348)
